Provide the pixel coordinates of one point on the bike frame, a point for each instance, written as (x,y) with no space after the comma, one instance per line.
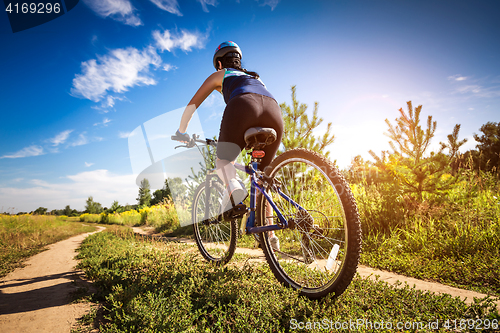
(252,171)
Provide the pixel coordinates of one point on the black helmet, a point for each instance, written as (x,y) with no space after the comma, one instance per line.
(224,48)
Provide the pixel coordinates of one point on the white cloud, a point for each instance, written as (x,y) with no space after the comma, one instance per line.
(88,164)
(170,6)
(168,67)
(475,87)
(108,103)
(124,135)
(457,78)
(204,4)
(270,3)
(83,139)
(469,88)
(104,122)
(185,41)
(119,10)
(52,145)
(32,150)
(118,71)
(104,186)
(60,138)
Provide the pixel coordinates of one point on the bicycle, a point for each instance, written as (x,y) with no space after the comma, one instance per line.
(314,215)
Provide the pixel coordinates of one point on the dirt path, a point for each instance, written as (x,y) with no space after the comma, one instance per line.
(367,272)
(36,298)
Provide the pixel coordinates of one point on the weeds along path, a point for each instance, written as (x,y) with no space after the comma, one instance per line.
(466,295)
(365,272)
(37,297)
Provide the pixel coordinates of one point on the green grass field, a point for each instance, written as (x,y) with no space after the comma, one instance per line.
(148,286)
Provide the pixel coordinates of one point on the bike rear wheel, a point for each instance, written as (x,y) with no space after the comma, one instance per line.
(319,251)
(215,239)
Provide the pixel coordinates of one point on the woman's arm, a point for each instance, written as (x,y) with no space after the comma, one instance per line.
(213,82)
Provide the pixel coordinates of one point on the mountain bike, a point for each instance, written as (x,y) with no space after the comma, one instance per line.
(314,215)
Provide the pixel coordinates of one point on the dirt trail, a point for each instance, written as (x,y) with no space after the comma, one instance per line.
(372,273)
(36,298)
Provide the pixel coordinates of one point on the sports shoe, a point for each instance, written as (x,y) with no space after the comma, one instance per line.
(275,242)
(233,195)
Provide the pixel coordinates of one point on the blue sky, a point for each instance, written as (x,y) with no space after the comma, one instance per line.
(73,89)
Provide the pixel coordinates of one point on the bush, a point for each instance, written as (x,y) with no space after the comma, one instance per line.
(163,217)
(90,218)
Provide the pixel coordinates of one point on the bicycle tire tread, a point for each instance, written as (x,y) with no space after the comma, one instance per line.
(354,246)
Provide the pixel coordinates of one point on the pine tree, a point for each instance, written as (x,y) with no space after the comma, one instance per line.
(408,165)
(299,129)
(453,145)
(144,197)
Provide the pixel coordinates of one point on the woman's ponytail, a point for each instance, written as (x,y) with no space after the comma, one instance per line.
(234,62)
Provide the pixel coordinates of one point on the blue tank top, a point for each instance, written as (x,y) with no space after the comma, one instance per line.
(236,82)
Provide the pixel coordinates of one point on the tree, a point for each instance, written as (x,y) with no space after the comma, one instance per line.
(173,189)
(408,165)
(361,172)
(114,206)
(161,194)
(488,158)
(453,145)
(144,197)
(409,136)
(67,210)
(92,207)
(40,211)
(299,128)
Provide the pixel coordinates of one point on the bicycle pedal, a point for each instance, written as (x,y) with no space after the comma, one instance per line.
(235,212)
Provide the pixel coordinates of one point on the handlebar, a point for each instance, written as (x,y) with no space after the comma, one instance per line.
(192,141)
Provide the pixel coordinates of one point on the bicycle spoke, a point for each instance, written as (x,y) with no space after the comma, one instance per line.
(313,249)
(216,240)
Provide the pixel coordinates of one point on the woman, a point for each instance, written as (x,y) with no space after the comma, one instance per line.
(249,104)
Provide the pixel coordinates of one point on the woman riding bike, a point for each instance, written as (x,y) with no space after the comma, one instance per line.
(248,104)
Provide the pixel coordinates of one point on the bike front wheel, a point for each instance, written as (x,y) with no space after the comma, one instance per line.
(215,239)
(319,252)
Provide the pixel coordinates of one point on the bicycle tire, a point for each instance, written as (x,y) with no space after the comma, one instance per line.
(330,223)
(216,240)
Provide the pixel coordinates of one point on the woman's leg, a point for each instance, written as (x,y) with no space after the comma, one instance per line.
(225,170)
(275,244)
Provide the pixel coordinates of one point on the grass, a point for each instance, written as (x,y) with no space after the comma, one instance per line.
(148,286)
(452,239)
(25,235)
(466,259)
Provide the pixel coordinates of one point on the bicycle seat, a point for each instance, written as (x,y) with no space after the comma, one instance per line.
(259,137)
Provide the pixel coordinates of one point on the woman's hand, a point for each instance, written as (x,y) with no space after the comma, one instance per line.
(182,137)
